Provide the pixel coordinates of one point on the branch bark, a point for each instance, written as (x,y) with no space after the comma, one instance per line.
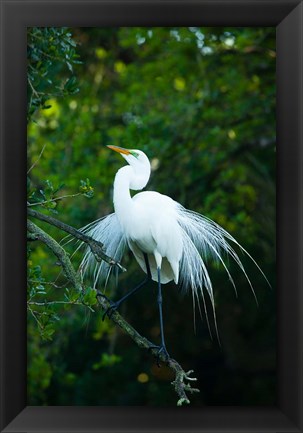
(95,246)
(59,252)
(182,382)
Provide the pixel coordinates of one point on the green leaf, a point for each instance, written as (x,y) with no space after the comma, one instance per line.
(89,297)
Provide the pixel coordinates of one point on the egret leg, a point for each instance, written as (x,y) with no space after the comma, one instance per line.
(115,305)
(162,348)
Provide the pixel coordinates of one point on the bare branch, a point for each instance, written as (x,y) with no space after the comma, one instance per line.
(42,147)
(46,303)
(51,283)
(59,252)
(39,203)
(95,246)
(181,387)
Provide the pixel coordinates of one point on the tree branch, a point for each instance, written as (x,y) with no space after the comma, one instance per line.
(182,379)
(52,200)
(46,303)
(59,252)
(95,246)
(181,387)
(41,150)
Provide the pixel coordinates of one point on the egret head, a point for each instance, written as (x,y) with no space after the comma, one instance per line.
(133,156)
(140,164)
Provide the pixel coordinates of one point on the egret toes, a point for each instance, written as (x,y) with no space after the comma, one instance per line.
(111,309)
(161,350)
(113,306)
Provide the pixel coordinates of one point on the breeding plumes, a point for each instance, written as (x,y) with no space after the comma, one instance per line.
(169,242)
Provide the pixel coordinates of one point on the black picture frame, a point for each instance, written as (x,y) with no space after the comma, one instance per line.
(287,17)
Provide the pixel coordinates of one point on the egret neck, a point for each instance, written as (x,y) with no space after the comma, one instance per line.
(127,178)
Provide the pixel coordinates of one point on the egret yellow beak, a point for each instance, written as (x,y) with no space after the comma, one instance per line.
(119,149)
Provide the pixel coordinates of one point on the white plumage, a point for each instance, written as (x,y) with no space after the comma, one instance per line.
(177,241)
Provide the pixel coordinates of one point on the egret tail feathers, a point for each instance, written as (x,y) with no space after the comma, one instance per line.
(204,239)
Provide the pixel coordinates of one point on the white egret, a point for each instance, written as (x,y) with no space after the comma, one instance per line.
(169,242)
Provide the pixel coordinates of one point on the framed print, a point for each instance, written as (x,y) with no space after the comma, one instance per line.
(204,102)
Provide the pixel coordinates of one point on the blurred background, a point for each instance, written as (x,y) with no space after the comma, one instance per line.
(200,102)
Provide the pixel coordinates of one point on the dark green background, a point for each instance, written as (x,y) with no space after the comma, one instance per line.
(201,103)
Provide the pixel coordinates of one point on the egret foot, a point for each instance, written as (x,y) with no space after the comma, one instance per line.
(161,350)
(113,306)
(109,311)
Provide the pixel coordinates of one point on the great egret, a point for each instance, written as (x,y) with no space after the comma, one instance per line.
(169,242)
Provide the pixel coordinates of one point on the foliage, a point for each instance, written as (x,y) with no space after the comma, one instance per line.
(49,50)
(201,103)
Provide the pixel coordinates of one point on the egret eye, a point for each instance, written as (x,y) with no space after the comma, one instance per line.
(134,153)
